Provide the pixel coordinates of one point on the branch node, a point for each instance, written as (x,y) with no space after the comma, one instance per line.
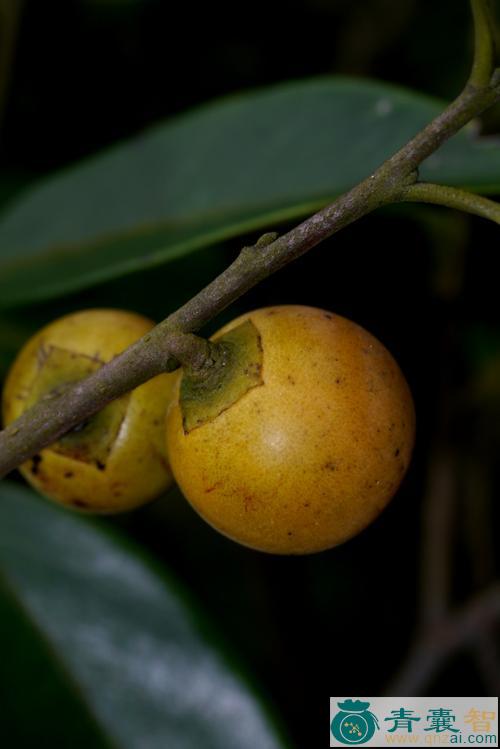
(250,251)
(265,239)
(411,178)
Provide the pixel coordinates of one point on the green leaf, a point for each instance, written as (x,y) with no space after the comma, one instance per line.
(99,648)
(229,167)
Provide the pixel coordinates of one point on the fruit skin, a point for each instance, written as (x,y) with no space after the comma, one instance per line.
(308,459)
(135,469)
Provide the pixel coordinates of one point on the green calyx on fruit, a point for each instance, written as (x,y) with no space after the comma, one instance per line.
(236,370)
(92,441)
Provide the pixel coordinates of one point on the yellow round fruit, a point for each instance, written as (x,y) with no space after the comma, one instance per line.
(116,460)
(312,450)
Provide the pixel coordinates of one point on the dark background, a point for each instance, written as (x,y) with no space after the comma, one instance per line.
(423,280)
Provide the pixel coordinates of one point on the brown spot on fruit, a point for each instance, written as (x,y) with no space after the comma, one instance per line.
(329,466)
(212,488)
(68,474)
(80,503)
(35,464)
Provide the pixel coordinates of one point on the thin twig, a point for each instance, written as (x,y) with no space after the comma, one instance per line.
(452,197)
(479,536)
(484,42)
(438,512)
(10,12)
(441,642)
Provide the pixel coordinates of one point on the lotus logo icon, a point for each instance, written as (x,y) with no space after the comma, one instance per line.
(354,723)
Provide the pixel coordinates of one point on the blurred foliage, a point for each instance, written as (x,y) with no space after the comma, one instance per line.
(126,654)
(89,73)
(241,164)
(244,163)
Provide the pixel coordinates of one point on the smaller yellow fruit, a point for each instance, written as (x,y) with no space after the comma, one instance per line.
(116,460)
(303,440)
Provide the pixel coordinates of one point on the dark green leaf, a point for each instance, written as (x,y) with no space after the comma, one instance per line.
(236,165)
(100,645)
